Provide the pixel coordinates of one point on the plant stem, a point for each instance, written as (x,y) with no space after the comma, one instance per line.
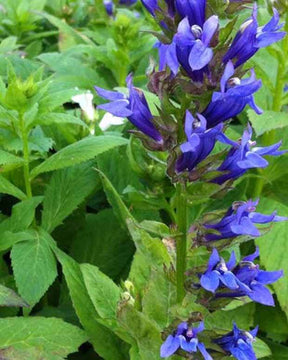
(269,137)
(181,244)
(26,169)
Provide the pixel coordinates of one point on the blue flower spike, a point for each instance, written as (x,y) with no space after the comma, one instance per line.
(185,338)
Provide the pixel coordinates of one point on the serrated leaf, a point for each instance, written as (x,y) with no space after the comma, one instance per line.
(105,343)
(66,191)
(8,297)
(103,292)
(268,121)
(58,118)
(9,159)
(6,187)
(34,266)
(78,152)
(22,215)
(38,338)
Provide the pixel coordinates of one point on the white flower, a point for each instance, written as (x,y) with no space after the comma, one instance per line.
(108,120)
(85,102)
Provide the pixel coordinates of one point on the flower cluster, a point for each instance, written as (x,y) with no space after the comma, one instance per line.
(243,279)
(201,85)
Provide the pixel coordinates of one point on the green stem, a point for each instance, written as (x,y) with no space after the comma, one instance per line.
(181,244)
(26,168)
(269,138)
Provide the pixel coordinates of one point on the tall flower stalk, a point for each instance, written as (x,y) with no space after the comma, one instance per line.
(202,86)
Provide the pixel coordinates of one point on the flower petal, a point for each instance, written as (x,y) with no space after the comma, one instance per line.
(170,346)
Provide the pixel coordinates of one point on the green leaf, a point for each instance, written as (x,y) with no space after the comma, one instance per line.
(8,297)
(22,215)
(67,189)
(159,297)
(105,343)
(261,349)
(273,249)
(6,187)
(9,159)
(78,152)
(107,247)
(34,277)
(58,118)
(38,338)
(152,248)
(279,352)
(143,331)
(103,292)
(268,121)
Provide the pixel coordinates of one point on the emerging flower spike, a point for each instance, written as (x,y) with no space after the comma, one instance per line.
(200,142)
(250,38)
(234,96)
(244,279)
(244,155)
(185,337)
(134,107)
(192,46)
(239,343)
(240,220)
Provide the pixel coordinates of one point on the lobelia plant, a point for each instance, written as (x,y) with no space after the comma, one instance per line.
(201,85)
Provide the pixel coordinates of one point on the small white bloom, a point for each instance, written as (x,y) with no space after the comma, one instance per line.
(85,102)
(108,120)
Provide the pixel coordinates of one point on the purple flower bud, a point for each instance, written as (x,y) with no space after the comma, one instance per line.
(185,337)
(194,10)
(239,343)
(153,5)
(244,155)
(250,38)
(109,6)
(134,107)
(200,142)
(234,96)
(244,279)
(239,220)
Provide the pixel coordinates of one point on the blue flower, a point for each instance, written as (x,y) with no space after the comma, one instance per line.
(234,96)
(109,6)
(240,220)
(250,38)
(219,273)
(194,10)
(244,279)
(244,155)
(168,57)
(185,337)
(192,46)
(134,107)
(239,343)
(200,142)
